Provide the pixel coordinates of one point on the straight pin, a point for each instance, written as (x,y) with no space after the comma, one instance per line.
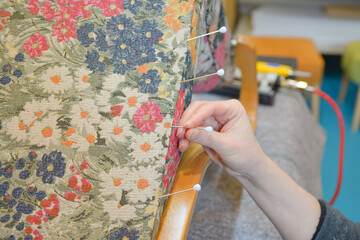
(208,129)
(196,188)
(220,73)
(221,30)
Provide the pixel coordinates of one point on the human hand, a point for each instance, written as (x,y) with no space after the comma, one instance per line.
(232,144)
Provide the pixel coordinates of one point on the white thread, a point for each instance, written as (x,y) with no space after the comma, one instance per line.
(219,72)
(196,188)
(221,30)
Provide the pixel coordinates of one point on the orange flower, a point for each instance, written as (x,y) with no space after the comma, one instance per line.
(175,11)
(142,69)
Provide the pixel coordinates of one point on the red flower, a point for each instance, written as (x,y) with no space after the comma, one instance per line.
(70,196)
(166,182)
(84,165)
(110,8)
(63,32)
(86,186)
(173,142)
(146,117)
(33,7)
(116,110)
(47,11)
(51,206)
(66,15)
(5,18)
(35,45)
(83,8)
(73,181)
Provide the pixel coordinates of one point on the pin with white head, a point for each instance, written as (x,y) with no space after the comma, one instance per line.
(208,129)
(196,187)
(219,72)
(222,30)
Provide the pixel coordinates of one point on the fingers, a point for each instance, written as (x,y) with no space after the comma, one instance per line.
(212,140)
(222,111)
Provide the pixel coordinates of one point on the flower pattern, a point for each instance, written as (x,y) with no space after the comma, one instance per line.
(90,89)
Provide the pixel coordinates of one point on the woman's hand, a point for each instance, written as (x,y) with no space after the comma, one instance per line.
(232,144)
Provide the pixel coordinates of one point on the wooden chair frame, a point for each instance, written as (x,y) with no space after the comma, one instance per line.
(176,217)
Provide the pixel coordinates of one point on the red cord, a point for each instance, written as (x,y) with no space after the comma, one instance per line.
(342,139)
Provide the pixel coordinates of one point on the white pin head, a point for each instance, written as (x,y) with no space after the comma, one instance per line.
(209,129)
(223,29)
(220,72)
(197,187)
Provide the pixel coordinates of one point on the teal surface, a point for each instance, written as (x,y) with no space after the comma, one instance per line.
(348,201)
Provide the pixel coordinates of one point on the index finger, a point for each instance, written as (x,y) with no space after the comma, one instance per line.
(222,111)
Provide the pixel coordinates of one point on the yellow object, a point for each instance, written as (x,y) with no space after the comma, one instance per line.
(280,69)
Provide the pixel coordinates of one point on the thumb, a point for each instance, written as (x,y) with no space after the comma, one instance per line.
(211,140)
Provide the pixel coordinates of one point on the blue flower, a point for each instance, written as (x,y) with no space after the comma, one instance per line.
(121,27)
(148,33)
(17,192)
(20,164)
(124,59)
(28,237)
(7,171)
(24,208)
(6,68)
(32,191)
(51,166)
(24,174)
(121,233)
(19,57)
(20,226)
(17,216)
(12,237)
(132,5)
(5,218)
(17,73)
(32,155)
(3,188)
(147,55)
(154,5)
(150,82)
(5,80)
(100,41)
(10,201)
(92,59)
(85,34)
(40,195)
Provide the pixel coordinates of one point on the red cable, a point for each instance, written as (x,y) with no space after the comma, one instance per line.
(342,139)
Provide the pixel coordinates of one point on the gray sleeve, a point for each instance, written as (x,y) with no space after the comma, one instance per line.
(335,225)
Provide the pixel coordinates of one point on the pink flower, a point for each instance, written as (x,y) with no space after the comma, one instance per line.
(33,7)
(173,142)
(47,11)
(146,117)
(84,165)
(110,8)
(73,181)
(86,186)
(66,15)
(35,45)
(166,182)
(83,8)
(63,32)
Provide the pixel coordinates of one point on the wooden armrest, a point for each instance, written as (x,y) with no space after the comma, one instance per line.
(176,217)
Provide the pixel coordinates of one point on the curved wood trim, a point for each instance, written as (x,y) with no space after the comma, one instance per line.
(245,59)
(176,217)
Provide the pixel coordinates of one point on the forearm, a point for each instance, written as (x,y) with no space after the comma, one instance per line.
(294,212)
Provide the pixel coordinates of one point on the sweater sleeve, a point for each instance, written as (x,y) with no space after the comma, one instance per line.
(334,225)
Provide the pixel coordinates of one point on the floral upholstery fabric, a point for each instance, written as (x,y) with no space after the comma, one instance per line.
(214,51)
(89,92)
